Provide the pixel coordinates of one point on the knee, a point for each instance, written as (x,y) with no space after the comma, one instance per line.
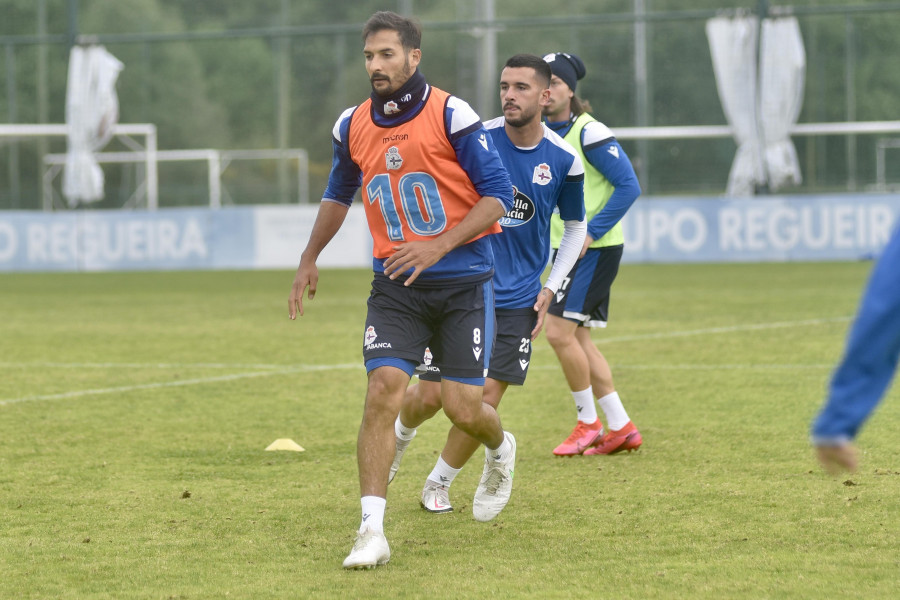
(378,389)
(422,401)
(384,394)
(463,416)
(430,398)
(557,336)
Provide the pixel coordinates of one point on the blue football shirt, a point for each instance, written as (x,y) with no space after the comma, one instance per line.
(545,178)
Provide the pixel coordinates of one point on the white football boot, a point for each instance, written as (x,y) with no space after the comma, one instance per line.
(369,551)
(495,487)
(436,497)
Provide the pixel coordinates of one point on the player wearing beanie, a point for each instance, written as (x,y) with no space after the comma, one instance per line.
(610,188)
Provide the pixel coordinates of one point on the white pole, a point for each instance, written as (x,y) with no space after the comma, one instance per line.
(641,86)
(303,176)
(215,180)
(487,59)
(152,174)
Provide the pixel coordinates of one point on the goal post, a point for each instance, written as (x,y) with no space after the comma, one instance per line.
(123,130)
(217,162)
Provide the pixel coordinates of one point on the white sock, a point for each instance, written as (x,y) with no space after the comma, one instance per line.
(403,432)
(443,474)
(616,417)
(372,512)
(502,451)
(584,404)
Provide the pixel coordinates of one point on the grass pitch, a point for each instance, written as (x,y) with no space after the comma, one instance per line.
(134,410)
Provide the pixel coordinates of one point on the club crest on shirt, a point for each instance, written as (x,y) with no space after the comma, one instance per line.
(393,159)
(542,174)
(391,108)
(521,212)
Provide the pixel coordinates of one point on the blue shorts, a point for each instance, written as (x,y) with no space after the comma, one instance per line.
(455,321)
(584,294)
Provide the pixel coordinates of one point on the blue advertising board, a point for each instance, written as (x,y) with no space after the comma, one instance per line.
(767,228)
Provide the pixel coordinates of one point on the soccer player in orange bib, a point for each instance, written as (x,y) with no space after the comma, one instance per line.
(434,188)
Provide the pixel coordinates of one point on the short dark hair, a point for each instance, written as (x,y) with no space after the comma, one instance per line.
(410,31)
(540,66)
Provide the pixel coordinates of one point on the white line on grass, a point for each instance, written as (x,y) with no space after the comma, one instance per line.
(181,383)
(730,329)
(703,367)
(625,338)
(280,369)
(112,365)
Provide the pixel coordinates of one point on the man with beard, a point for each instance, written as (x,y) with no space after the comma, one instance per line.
(548,176)
(433,188)
(610,188)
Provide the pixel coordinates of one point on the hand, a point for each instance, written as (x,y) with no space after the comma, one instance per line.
(835,459)
(540,307)
(413,255)
(307,276)
(588,240)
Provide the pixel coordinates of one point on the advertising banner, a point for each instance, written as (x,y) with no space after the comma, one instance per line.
(769,228)
(759,229)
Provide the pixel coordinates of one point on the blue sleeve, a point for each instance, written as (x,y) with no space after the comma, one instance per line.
(345,177)
(871,355)
(479,158)
(571,199)
(610,159)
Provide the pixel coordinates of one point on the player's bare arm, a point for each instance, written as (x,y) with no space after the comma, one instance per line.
(420,255)
(328,221)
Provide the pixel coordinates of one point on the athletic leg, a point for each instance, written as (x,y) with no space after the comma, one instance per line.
(375,444)
(600,374)
(569,352)
(621,434)
(460,446)
(458,449)
(464,407)
(374,450)
(563,336)
(421,401)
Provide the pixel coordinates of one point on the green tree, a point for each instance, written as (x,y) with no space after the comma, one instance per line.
(162,83)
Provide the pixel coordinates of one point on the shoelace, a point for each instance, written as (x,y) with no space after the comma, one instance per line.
(362,539)
(496,477)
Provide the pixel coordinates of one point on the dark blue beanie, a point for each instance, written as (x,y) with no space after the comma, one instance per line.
(567,67)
